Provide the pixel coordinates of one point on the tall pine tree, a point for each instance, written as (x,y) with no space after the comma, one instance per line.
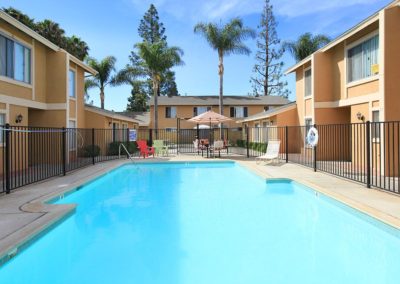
(152,30)
(138,99)
(267,78)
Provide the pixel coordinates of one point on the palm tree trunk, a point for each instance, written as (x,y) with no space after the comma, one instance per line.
(221,88)
(102,97)
(221,83)
(155,94)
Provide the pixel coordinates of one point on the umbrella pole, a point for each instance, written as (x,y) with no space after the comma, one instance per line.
(198,138)
(209,133)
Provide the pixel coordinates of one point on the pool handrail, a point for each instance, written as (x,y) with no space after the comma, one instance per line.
(126,150)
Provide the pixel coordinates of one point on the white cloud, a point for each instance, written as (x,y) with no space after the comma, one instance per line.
(195,10)
(305,7)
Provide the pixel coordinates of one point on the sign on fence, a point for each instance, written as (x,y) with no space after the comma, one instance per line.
(132,135)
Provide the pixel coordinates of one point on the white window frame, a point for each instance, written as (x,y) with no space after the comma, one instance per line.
(171,108)
(235,108)
(69,87)
(31,61)
(311,82)
(202,107)
(346,59)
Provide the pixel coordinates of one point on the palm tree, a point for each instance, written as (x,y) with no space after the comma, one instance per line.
(104,75)
(23,18)
(77,47)
(89,83)
(156,59)
(305,45)
(51,31)
(226,40)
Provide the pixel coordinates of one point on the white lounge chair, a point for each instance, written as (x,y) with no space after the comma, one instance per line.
(272,152)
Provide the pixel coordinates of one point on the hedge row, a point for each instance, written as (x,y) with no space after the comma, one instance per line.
(112,150)
(257,146)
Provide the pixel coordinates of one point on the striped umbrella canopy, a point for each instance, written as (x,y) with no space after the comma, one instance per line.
(209,117)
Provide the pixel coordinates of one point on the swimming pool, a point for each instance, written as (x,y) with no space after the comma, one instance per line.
(194,223)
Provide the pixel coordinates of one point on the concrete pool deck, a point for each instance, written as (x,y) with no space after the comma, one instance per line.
(24,213)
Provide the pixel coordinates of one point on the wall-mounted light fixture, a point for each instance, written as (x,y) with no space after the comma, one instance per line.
(360,116)
(18,118)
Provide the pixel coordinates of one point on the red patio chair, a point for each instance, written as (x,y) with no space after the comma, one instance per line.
(144,149)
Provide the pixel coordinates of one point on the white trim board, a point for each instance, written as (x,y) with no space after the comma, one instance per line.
(348,102)
(31,104)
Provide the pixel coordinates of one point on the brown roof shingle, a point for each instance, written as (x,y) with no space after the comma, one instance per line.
(214,100)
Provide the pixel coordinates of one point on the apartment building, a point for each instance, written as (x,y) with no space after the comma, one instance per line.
(185,107)
(354,78)
(42,85)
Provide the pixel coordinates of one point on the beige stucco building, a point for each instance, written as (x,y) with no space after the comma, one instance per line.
(42,85)
(352,79)
(185,107)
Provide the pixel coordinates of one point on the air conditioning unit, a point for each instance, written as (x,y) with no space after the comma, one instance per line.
(375,69)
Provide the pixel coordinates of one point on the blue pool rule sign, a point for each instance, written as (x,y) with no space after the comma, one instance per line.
(132,135)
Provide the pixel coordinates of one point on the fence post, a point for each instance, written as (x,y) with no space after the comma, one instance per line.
(178,130)
(93,147)
(368,151)
(64,142)
(150,136)
(247,141)
(315,153)
(127,142)
(287,143)
(7,158)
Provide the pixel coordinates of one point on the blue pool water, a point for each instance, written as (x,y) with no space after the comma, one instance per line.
(206,223)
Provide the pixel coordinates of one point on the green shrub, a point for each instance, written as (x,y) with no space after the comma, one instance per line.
(113,148)
(241,143)
(90,151)
(257,146)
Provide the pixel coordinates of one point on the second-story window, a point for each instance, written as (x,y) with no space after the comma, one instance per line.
(170,112)
(199,110)
(72,84)
(238,112)
(307,83)
(15,60)
(363,59)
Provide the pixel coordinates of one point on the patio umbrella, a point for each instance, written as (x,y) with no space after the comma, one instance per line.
(209,117)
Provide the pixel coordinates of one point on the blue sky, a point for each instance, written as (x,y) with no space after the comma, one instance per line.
(110,28)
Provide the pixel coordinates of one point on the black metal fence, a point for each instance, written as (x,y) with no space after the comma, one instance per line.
(368,152)
(32,154)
